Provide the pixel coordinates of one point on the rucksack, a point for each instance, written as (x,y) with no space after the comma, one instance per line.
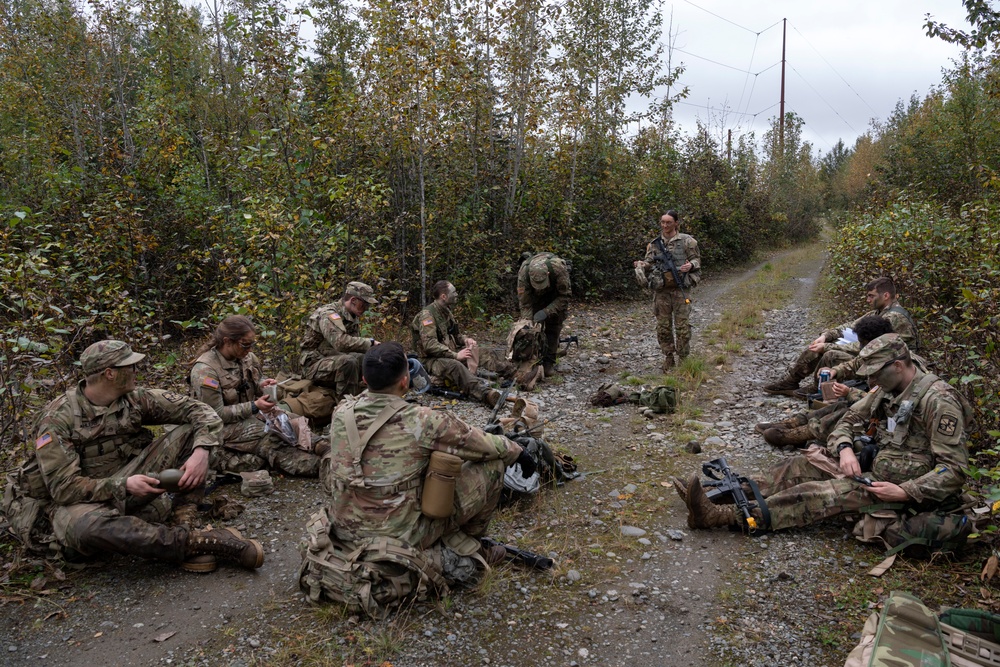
(525,342)
(661,399)
(373,575)
(917,534)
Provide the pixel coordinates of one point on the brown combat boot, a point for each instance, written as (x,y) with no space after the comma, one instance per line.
(226,543)
(798,419)
(490,398)
(668,363)
(680,486)
(493,555)
(186,515)
(783,436)
(702,513)
(549,367)
(786,386)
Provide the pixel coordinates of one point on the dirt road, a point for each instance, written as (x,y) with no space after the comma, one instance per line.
(633,585)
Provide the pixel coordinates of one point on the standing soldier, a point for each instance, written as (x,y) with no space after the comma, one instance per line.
(87,487)
(543,292)
(332,349)
(671,303)
(444,350)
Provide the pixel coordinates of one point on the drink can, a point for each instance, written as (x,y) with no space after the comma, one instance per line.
(824,376)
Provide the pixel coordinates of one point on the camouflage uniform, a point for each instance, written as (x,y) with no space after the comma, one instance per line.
(543,284)
(809,362)
(380,494)
(84,454)
(673,314)
(332,348)
(436,339)
(925,457)
(230,387)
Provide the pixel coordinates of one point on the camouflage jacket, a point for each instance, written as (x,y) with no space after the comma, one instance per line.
(901,320)
(382,496)
(927,455)
(683,248)
(228,386)
(848,370)
(79,445)
(436,334)
(333,330)
(554,300)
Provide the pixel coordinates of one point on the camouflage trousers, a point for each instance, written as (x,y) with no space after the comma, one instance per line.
(809,362)
(822,421)
(457,375)
(477,494)
(248,447)
(134,527)
(342,373)
(552,329)
(800,494)
(673,318)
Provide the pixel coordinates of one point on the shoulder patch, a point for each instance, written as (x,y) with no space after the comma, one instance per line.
(43,440)
(429,321)
(210,382)
(947,425)
(174,397)
(334,317)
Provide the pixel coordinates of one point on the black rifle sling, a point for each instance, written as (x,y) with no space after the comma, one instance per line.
(765,514)
(668,258)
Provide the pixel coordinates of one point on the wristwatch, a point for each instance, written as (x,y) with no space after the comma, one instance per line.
(254,409)
(844,445)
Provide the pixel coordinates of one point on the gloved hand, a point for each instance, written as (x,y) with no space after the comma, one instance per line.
(540,316)
(528,466)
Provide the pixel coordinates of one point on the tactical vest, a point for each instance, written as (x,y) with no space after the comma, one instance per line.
(679,253)
(236,384)
(903,456)
(899,310)
(102,455)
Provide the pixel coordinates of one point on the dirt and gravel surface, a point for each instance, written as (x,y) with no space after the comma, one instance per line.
(632,586)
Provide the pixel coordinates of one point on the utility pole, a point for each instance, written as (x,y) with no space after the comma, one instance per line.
(781,119)
(729,147)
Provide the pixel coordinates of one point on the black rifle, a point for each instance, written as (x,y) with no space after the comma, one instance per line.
(445,393)
(570,340)
(728,484)
(664,261)
(499,404)
(520,556)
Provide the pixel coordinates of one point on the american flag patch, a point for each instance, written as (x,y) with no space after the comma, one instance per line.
(43,440)
(210,382)
(429,321)
(334,317)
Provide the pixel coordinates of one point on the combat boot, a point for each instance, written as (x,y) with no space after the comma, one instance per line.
(680,486)
(226,543)
(493,554)
(490,398)
(798,419)
(549,367)
(783,436)
(668,363)
(702,513)
(186,515)
(786,386)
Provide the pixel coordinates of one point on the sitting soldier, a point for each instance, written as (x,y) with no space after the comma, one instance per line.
(88,481)
(825,351)
(332,348)
(444,350)
(921,434)
(377,475)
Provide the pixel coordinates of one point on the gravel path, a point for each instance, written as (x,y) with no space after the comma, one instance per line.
(633,586)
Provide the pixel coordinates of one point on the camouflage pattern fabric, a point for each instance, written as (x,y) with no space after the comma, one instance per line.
(901,320)
(382,496)
(543,284)
(457,375)
(332,349)
(230,387)
(84,453)
(905,634)
(671,312)
(436,334)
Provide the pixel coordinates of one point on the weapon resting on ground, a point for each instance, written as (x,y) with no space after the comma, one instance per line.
(521,556)
(569,340)
(727,484)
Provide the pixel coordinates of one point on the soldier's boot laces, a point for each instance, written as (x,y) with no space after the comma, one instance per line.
(786,386)
(702,513)
(784,436)
(187,516)
(228,544)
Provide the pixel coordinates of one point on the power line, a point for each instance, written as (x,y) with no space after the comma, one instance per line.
(724,109)
(823,98)
(835,71)
(716,62)
(723,18)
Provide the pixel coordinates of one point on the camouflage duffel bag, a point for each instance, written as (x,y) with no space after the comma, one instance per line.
(372,576)
(661,399)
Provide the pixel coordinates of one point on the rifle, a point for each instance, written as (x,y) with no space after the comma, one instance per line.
(500,403)
(728,484)
(520,556)
(569,340)
(664,261)
(445,393)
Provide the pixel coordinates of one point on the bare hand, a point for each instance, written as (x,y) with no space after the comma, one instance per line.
(463,354)
(195,470)
(142,486)
(264,403)
(640,262)
(267,382)
(685,267)
(849,463)
(840,390)
(470,343)
(889,492)
(818,346)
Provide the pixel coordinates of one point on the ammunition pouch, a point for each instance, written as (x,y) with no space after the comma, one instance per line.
(438,498)
(105,457)
(866,457)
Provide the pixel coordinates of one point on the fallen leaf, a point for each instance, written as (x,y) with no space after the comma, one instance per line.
(98,635)
(990,569)
(164,637)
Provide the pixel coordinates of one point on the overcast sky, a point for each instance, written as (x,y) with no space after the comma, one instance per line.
(847,61)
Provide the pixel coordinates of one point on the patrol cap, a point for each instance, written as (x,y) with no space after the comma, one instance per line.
(108,354)
(361,291)
(880,352)
(538,272)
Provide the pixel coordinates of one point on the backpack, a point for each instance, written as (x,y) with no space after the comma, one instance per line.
(525,342)
(917,534)
(610,393)
(374,575)
(661,399)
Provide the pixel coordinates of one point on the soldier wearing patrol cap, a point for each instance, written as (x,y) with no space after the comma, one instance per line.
(543,293)
(920,423)
(87,486)
(333,348)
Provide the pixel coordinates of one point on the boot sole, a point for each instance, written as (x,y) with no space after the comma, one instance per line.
(260,555)
(780,392)
(201,564)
